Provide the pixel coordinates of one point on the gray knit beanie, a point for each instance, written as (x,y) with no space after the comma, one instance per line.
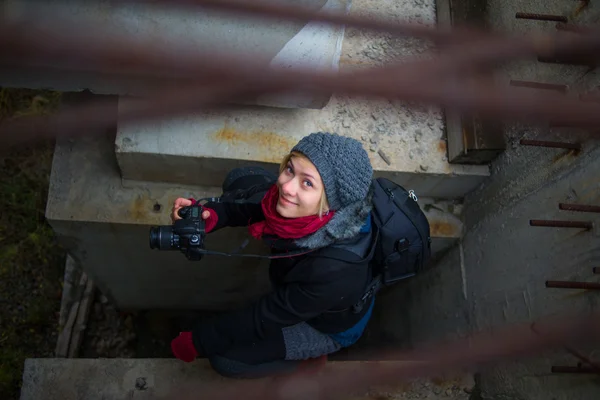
(343,164)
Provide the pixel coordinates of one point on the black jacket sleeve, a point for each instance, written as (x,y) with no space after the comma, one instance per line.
(236,214)
(287,305)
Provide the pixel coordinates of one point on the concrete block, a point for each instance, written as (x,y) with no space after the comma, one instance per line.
(172,32)
(104,221)
(121,379)
(176,150)
(411,138)
(105,224)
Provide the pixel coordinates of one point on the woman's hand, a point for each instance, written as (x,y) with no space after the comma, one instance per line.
(208,215)
(178,205)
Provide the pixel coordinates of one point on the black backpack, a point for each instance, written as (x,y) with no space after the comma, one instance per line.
(401,244)
(402,238)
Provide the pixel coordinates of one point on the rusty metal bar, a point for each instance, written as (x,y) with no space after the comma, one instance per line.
(539,85)
(541,17)
(573,285)
(407,89)
(579,207)
(559,369)
(544,143)
(489,103)
(456,36)
(298,13)
(567,61)
(561,224)
(513,47)
(481,98)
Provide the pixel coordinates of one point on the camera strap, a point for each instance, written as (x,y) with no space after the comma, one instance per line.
(237,252)
(270,257)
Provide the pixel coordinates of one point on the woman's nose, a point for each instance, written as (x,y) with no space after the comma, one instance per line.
(289,187)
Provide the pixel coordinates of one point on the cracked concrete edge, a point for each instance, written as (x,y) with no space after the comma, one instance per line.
(94,379)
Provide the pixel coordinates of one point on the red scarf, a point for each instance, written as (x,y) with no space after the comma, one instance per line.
(285,228)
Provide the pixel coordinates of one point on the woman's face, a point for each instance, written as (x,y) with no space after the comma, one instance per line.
(300,189)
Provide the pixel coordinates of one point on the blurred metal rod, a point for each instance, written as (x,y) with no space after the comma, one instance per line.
(573,285)
(541,17)
(561,224)
(579,207)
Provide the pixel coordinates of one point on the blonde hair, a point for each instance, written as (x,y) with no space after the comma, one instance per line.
(323,204)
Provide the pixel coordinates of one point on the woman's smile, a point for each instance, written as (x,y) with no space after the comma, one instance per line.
(285,202)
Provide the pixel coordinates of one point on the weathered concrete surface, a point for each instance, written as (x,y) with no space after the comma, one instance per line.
(506,261)
(169,30)
(120,379)
(411,137)
(104,222)
(175,150)
(497,274)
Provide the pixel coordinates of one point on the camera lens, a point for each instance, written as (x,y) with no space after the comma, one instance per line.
(161,237)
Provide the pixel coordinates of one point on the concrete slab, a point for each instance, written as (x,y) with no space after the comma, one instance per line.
(170,30)
(104,222)
(121,379)
(216,142)
(412,138)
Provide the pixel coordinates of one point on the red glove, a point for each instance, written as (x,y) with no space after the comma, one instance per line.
(183,347)
(211,221)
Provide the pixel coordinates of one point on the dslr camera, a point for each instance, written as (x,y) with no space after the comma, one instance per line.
(186,234)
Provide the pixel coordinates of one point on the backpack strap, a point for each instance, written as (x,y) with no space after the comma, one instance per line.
(345,253)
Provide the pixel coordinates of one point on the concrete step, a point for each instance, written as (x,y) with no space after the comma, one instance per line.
(104,222)
(170,32)
(202,148)
(411,139)
(121,379)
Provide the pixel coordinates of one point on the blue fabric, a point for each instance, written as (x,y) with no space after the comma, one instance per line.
(367,225)
(351,336)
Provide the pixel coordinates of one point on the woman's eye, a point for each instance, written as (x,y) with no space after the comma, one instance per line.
(289,169)
(308,183)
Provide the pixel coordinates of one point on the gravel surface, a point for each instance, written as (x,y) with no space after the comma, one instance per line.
(109,333)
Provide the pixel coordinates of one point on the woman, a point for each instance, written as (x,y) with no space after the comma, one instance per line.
(321,198)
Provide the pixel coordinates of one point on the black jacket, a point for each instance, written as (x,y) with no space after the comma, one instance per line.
(316,287)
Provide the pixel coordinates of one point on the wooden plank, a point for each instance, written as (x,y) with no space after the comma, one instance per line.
(82,317)
(64,338)
(71,275)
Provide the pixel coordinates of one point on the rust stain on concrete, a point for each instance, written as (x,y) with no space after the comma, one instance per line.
(442,146)
(139,209)
(441,228)
(269,146)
